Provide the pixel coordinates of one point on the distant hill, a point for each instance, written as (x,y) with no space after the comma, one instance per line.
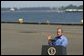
(45,8)
(73,7)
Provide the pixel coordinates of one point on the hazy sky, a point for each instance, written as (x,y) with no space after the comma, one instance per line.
(20,4)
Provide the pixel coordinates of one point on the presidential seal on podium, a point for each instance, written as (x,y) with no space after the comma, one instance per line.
(51,51)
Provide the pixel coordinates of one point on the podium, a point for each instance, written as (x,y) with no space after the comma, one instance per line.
(53,50)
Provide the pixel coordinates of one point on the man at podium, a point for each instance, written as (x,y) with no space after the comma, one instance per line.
(57,46)
(59,40)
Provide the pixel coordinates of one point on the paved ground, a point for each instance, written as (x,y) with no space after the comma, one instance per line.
(27,39)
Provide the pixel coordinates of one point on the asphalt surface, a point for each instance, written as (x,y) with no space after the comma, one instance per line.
(27,39)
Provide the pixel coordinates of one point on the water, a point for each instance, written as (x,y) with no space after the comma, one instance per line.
(42,17)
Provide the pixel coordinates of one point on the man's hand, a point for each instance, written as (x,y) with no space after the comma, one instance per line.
(49,36)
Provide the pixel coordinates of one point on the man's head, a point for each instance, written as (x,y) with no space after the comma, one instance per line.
(59,31)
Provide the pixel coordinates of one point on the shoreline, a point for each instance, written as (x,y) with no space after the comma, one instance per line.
(79,24)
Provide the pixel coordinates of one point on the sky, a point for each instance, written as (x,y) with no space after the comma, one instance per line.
(22,4)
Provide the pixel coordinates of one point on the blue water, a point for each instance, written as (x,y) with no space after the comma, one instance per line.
(52,17)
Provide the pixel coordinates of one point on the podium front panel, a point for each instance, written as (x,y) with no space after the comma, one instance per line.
(53,50)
